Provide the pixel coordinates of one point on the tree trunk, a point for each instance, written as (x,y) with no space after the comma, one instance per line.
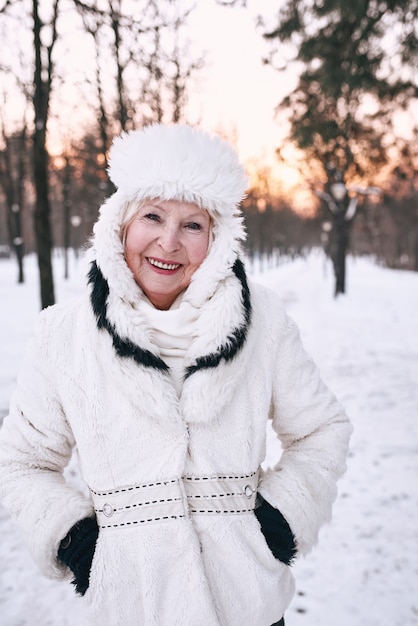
(40,161)
(42,221)
(340,253)
(19,257)
(15,230)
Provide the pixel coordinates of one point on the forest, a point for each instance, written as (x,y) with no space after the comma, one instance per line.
(352,121)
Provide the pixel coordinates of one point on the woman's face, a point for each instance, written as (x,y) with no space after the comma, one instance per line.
(165,244)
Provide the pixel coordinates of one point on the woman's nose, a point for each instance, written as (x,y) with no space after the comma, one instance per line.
(169,239)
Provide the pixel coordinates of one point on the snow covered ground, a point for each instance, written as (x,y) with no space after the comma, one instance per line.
(364,571)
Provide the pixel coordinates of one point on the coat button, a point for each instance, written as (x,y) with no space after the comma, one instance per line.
(108,510)
(248,491)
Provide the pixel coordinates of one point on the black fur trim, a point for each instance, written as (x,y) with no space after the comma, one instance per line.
(237,339)
(124,348)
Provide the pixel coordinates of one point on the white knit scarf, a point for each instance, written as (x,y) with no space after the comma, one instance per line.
(172,332)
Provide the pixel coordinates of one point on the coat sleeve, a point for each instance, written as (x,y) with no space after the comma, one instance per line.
(314,432)
(36,444)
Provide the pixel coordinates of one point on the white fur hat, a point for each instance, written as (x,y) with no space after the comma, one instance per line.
(178,162)
(174,162)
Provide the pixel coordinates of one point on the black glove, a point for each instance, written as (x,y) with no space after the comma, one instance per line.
(276,531)
(76,550)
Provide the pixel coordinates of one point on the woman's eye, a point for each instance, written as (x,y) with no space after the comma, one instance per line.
(193,226)
(153,217)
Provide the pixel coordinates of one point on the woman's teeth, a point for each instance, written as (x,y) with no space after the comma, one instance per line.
(164,266)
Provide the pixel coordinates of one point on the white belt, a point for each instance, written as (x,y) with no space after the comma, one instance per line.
(171,499)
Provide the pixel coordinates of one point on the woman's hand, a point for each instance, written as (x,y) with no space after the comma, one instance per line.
(76,550)
(276,531)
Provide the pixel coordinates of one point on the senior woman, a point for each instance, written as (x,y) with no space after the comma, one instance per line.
(164,376)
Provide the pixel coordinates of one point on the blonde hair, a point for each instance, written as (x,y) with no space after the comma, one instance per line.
(129,213)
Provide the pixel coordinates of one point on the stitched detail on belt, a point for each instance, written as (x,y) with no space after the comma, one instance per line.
(135,487)
(217,495)
(219,477)
(133,506)
(142,521)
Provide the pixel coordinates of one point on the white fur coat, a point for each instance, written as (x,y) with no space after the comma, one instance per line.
(130,428)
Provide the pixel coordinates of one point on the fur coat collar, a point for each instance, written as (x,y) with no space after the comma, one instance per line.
(218,290)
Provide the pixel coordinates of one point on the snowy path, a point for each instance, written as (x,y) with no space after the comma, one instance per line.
(365,569)
(364,572)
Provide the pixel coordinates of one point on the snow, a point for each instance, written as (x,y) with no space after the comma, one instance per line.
(364,571)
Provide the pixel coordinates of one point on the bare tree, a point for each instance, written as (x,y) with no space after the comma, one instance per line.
(170,66)
(93,22)
(180,77)
(115,10)
(42,82)
(150,60)
(36,90)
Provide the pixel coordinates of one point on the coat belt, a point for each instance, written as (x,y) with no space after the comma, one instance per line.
(175,498)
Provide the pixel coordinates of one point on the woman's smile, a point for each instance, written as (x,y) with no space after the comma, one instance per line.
(165,266)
